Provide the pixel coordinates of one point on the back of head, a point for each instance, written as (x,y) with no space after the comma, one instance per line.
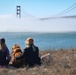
(2,44)
(15,46)
(2,40)
(29,42)
(16,50)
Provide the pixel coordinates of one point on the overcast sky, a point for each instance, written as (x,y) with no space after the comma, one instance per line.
(31,13)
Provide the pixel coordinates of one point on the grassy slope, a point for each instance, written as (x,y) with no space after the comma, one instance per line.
(63,63)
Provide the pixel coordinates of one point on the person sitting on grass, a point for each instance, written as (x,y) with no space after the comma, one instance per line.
(4,53)
(31,54)
(16,51)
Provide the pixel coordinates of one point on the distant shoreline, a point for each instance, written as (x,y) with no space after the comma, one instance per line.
(36,32)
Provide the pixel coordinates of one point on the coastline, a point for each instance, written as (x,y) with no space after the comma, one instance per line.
(63,63)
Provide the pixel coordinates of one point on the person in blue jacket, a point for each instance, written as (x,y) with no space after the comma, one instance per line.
(30,54)
(4,53)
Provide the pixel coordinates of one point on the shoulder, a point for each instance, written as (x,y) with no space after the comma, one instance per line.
(36,47)
(4,50)
(27,48)
(7,49)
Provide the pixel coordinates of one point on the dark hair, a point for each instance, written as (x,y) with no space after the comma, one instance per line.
(2,40)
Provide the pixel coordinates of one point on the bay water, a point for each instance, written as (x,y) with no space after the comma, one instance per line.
(45,41)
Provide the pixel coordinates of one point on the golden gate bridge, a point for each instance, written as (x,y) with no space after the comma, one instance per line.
(61,14)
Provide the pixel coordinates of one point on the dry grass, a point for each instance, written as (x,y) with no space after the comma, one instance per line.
(63,63)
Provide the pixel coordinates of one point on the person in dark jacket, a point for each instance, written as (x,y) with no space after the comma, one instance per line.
(30,54)
(4,53)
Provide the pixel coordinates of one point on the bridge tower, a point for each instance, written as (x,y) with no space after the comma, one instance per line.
(18,11)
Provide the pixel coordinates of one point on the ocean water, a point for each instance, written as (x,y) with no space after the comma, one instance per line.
(45,41)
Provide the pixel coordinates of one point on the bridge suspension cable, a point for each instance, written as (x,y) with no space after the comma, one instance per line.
(28,14)
(67,10)
(61,13)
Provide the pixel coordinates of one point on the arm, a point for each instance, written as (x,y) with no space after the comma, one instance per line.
(38,51)
(21,56)
(8,55)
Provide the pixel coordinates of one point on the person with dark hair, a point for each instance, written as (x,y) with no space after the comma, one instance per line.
(30,54)
(4,53)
